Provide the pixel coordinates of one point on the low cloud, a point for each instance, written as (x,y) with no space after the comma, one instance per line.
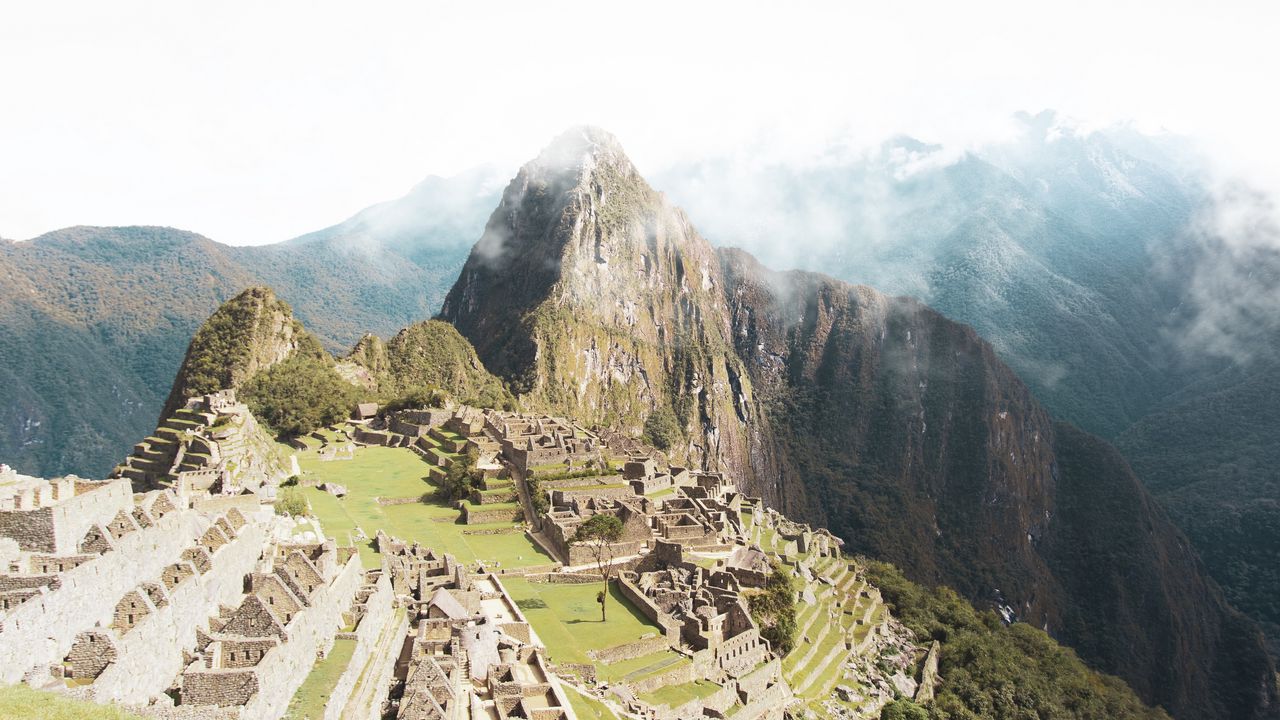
(1232,276)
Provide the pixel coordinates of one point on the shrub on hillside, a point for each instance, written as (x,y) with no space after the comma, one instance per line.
(460,477)
(992,670)
(661,429)
(417,398)
(299,395)
(774,610)
(291,502)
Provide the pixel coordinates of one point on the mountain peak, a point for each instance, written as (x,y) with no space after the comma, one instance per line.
(250,332)
(579,152)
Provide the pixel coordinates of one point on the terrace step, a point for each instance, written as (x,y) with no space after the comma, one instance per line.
(836,654)
(813,646)
(654,668)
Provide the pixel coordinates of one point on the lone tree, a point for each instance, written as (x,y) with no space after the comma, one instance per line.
(599,533)
(461,477)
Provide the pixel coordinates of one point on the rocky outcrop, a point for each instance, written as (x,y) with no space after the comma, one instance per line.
(594,297)
(902,432)
(430,354)
(248,333)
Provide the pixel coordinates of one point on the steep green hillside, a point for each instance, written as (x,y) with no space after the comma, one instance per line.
(247,334)
(95,323)
(1213,459)
(993,670)
(592,296)
(96,320)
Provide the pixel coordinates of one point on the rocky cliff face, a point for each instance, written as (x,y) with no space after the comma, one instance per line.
(250,332)
(876,416)
(902,432)
(592,296)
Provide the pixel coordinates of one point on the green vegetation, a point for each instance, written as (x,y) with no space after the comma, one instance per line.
(381,472)
(677,695)
(246,333)
(598,533)
(995,671)
(21,701)
(565,617)
(309,701)
(591,470)
(1211,459)
(903,710)
(537,496)
(774,609)
(291,502)
(587,708)
(661,429)
(416,398)
(299,395)
(460,478)
(433,354)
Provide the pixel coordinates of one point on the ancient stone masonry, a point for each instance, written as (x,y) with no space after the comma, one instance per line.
(152,651)
(193,600)
(528,442)
(50,598)
(471,652)
(702,611)
(262,651)
(378,630)
(212,444)
(53,517)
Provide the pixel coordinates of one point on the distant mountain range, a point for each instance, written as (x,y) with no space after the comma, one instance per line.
(1078,255)
(96,320)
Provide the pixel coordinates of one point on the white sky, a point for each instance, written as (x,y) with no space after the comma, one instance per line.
(254,122)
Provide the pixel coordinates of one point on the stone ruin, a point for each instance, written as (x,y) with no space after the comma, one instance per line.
(470,651)
(527,442)
(161,598)
(212,444)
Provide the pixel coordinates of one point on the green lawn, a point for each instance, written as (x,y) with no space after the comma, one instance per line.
(588,708)
(567,618)
(309,701)
(677,695)
(20,701)
(397,473)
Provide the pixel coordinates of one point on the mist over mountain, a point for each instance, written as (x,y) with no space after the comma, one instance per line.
(1135,295)
(901,430)
(1136,299)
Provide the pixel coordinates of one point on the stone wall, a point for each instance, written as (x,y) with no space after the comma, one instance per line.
(379,612)
(635,649)
(479,514)
(58,528)
(311,634)
(151,654)
(646,607)
(768,705)
(42,630)
(565,496)
(682,673)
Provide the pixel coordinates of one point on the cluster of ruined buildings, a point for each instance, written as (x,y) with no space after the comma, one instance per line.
(469,652)
(172,602)
(170,587)
(665,513)
(212,444)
